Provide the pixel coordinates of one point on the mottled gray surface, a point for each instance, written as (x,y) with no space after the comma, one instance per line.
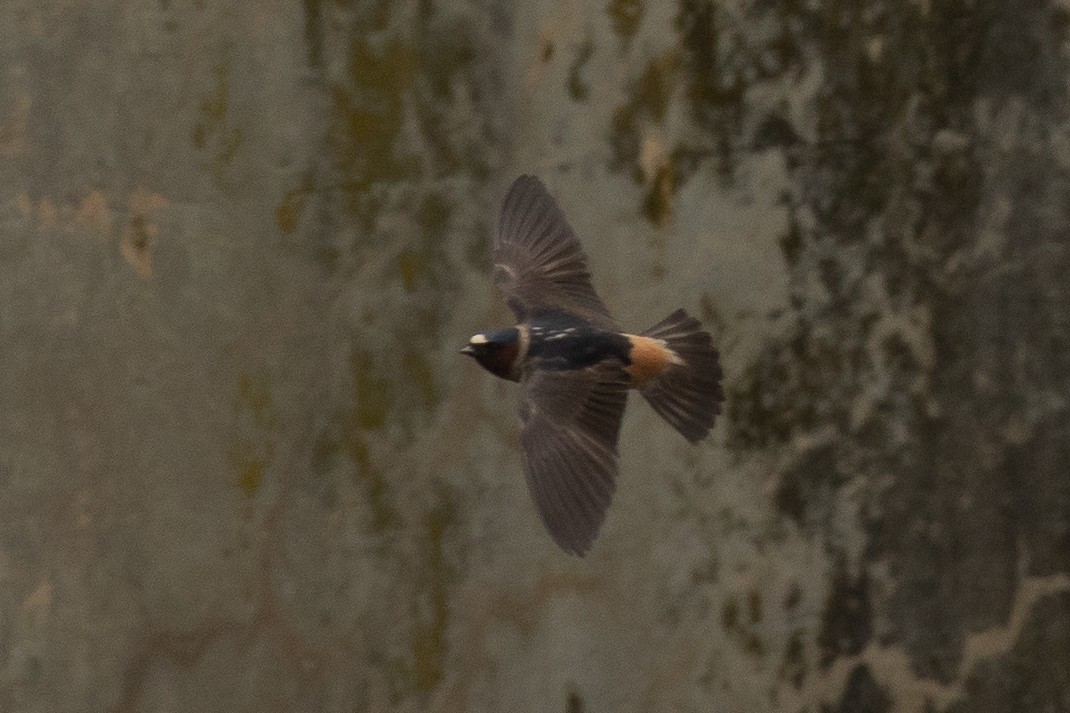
(243,469)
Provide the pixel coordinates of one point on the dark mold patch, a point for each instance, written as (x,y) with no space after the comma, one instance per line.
(314,33)
(547,52)
(862,694)
(743,625)
(846,627)
(922,386)
(794,667)
(806,491)
(715,71)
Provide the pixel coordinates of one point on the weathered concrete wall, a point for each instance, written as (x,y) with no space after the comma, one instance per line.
(243,468)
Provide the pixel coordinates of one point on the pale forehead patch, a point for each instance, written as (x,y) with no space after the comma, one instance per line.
(478,339)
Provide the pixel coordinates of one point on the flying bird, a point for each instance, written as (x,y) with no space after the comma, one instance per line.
(576,365)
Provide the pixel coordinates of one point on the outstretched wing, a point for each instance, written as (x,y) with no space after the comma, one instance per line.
(538,261)
(571,421)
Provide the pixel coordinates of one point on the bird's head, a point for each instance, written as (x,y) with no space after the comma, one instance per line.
(497,352)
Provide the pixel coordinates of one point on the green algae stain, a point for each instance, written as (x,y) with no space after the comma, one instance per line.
(340,443)
(251,474)
(384,515)
(754,606)
(215,132)
(419,673)
(253,445)
(706,71)
(393,386)
(793,667)
(412,266)
(647,102)
(374,395)
(402,390)
(422,265)
(730,614)
(254,397)
(658,203)
(317,244)
(369,111)
(213,107)
(371,393)
(288,211)
(625,16)
(752,644)
(578,88)
(418,368)
(353,445)
(429,645)
(434,217)
(654,88)
(445,52)
(649,98)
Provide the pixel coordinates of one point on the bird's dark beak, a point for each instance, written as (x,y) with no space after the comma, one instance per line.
(468,350)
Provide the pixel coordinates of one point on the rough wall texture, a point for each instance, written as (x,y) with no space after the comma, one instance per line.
(242,467)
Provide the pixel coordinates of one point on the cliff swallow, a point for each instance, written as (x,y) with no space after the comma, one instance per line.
(576,365)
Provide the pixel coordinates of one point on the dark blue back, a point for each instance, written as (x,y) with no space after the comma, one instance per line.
(563,341)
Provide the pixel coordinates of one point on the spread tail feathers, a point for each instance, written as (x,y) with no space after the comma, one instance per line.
(688,394)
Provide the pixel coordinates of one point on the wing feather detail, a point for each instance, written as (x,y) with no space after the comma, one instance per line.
(539,264)
(571,423)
